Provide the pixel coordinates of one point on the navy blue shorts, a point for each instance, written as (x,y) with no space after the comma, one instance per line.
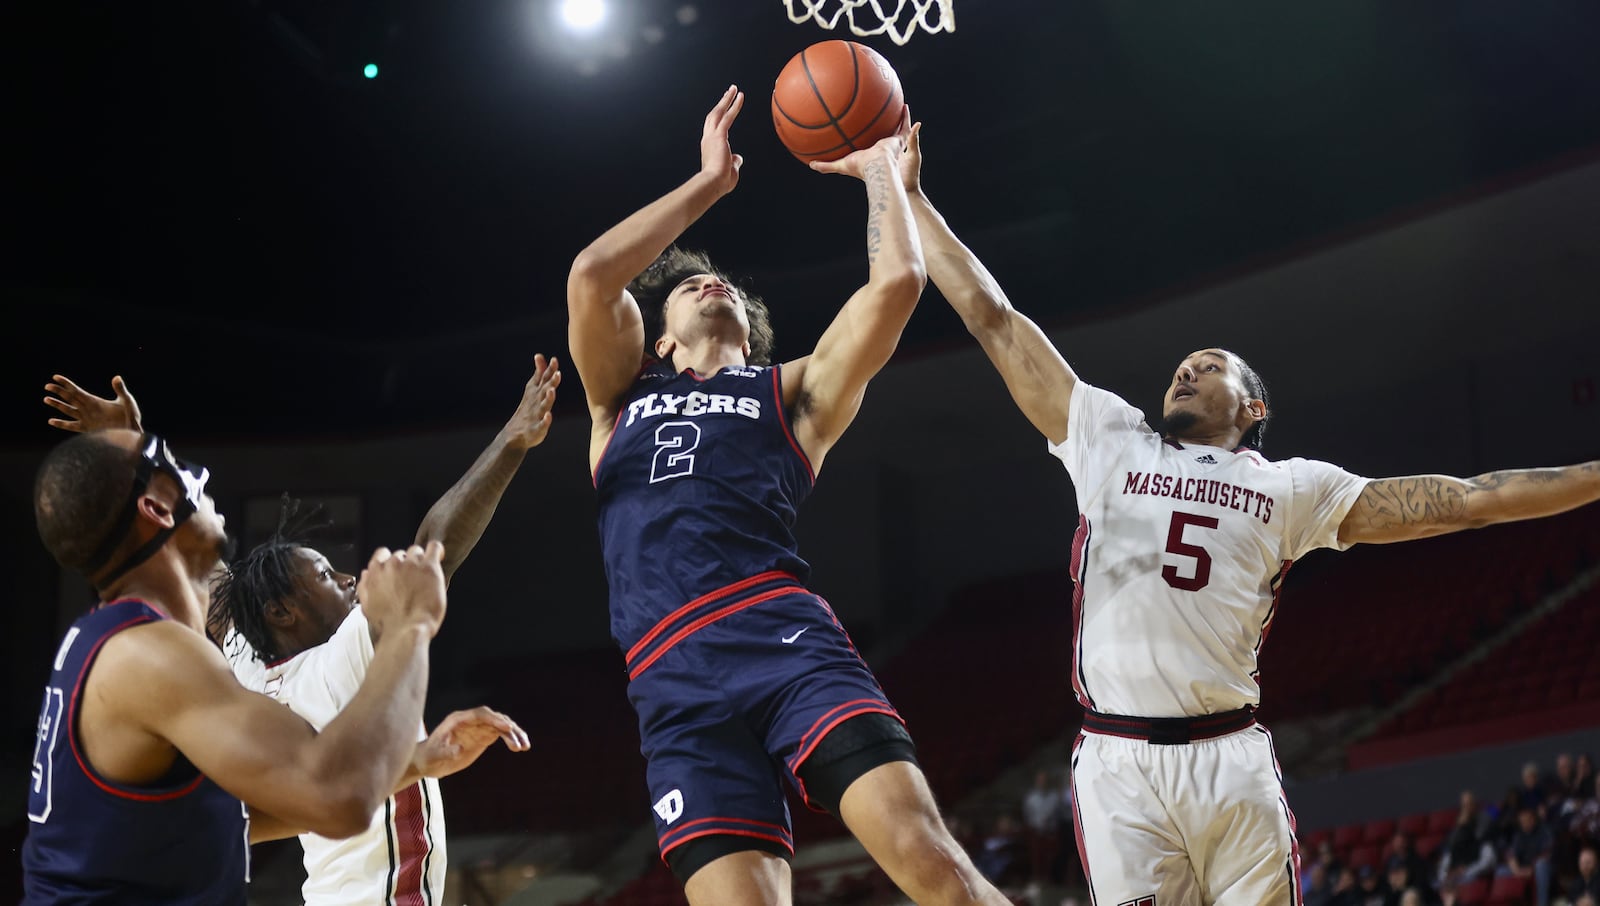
(734,691)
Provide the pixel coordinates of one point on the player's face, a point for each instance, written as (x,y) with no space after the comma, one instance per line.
(1206,392)
(704,305)
(324,596)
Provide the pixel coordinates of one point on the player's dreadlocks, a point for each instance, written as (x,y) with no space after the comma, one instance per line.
(651,288)
(240,595)
(1257,389)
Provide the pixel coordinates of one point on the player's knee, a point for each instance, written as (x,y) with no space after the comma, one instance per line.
(924,851)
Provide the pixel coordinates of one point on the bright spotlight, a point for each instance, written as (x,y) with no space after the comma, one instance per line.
(583,15)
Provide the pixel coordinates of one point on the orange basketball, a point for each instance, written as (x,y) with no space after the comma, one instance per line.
(835,97)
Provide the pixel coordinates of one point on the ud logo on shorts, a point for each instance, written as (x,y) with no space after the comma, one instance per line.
(670,806)
(1142,901)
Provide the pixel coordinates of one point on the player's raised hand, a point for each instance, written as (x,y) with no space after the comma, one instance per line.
(892,149)
(86,412)
(717,159)
(531,422)
(911,160)
(464,735)
(405,587)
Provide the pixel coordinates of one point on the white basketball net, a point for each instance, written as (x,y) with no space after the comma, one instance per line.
(902,19)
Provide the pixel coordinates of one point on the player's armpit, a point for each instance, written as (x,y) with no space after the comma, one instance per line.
(177,686)
(1420,506)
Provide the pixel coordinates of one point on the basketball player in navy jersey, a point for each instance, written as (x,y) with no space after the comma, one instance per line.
(1184,537)
(741,677)
(291,627)
(146,743)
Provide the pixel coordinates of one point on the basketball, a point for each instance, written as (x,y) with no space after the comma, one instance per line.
(835,97)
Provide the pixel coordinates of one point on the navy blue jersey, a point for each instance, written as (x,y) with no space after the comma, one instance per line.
(91,840)
(698,487)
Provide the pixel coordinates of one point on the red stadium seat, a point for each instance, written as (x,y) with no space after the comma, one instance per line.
(1473,892)
(1442,821)
(1347,836)
(1313,841)
(1508,891)
(1378,832)
(1428,845)
(1414,826)
(1364,856)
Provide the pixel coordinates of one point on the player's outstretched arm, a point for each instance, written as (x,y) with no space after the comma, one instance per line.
(605,331)
(175,685)
(458,518)
(1034,371)
(1420,506)
(452,746)
(831,382)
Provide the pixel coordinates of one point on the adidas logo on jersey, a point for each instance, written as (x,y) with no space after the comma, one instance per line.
(742,371)
(1207,458)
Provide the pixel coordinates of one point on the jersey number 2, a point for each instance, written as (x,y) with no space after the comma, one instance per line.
(1176,545)
(675,445)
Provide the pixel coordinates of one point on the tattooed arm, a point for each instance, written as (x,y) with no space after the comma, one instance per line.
(824,390)
(1420,506)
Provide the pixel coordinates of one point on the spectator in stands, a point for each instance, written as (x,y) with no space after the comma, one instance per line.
(1371,888)
(1041,817)
(1531,794)
(1412,897)
(1328,859)
(999,857)
(1587,883)
(1447,894)
(1346,891)
(1528,856)
(1583,777)
(1503,821)
(1403,853)
(1468,853)
(1315,887)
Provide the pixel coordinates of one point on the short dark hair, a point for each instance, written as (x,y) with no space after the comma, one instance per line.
(266,573)
(78,493)
(673,266)
(1257,389)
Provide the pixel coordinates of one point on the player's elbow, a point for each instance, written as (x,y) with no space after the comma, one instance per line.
(902,282)
(344,815)
(588,277)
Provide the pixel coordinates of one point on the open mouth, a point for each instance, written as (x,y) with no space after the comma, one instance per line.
(1182,393)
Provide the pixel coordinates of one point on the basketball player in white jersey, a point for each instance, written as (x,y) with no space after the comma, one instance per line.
(1183,539)
(290,627)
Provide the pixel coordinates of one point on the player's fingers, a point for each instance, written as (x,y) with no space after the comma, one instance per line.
(433,552)
(65,425)
(67,383)
(826,166)
(914,140)
(61,405)
(715,116)
(381,555)
(738,161)
(733,109)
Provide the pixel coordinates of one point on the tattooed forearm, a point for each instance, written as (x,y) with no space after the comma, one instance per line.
(1395,509)
(876,177)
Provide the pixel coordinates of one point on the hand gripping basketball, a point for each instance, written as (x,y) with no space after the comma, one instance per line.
(892,149)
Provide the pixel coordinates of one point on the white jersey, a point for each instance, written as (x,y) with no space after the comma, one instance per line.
(1178,558)
(400,858)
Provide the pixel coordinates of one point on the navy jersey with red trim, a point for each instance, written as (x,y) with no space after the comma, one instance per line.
(699,487)
(180,841)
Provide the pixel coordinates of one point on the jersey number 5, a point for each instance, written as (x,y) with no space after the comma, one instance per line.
(1176,545)
(675,445)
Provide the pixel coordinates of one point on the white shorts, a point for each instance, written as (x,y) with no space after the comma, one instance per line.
(1183,825)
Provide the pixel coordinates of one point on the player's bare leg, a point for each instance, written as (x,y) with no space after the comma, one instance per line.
(751,876)
(891,811)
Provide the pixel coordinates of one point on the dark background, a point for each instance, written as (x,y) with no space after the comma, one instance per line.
(212,200)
